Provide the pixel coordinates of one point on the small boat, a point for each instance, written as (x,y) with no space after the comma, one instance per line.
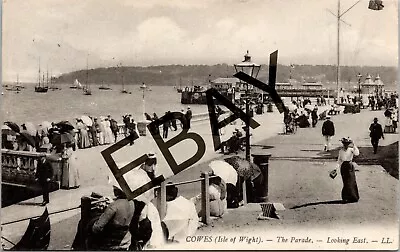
(52,85)
(76,85)
(86,89)
(102,87)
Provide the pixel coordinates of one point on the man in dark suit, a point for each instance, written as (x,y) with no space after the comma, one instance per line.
(328,130)
(376,133)
(44,173)
(188,117)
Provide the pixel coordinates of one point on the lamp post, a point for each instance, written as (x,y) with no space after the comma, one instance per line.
(251,69)
(376,5)
(359,86)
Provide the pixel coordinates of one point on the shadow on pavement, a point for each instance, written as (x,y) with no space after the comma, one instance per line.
(387,157)
(330,202)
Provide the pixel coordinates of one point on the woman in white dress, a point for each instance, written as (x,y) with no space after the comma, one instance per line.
(70,176)
(108,133)
(102,133)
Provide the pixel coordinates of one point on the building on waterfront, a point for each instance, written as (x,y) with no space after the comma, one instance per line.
(312,86)
(370,86)
(283,86)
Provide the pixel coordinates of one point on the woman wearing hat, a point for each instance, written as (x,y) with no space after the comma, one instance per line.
(149,165)
(345,162)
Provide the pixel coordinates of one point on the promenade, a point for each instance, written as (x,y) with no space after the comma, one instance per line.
(94,173)
(298,179)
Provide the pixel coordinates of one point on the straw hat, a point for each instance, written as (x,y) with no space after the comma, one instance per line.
(151,154)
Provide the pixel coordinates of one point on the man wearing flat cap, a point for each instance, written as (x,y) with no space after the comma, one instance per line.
(376,133)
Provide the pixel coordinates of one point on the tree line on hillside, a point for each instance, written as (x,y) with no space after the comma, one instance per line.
(187,75)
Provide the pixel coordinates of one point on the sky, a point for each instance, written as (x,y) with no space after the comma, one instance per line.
(68,35)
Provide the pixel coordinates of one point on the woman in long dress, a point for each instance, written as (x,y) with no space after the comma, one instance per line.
(102,133)
(70,177)
(109,135)
(345,162)
(84,141)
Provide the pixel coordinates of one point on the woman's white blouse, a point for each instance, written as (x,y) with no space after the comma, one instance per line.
(347,155)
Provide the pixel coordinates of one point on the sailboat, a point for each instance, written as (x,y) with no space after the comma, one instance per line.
(124,91)
(16,88)
(39,88)
(76,85)
(86,88)
(18,85)
(52,84)
(180,86)
(102,87)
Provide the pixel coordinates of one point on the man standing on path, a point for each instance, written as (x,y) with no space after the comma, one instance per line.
(166,126)
(44,172)
(328,130)
(376,133)
(188,117)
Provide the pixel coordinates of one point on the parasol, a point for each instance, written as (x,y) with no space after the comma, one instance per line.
(5,127)
(65,126)
(243,167)
(28,138)
(59,139)
(37,235)
(224,170)
(292,107)
(13,126)
(86,120)
(135,178)
(30,128)
(46,125)
(181,219)
(309,107)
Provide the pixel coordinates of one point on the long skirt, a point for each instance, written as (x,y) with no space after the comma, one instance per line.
(84,139)
(70,174)
(350,189)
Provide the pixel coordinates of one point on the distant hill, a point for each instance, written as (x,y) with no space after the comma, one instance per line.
(173,75)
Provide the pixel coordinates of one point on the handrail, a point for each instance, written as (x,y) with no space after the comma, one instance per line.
(185,182)
(25,153)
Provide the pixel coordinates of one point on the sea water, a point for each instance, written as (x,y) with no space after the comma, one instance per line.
(67,104)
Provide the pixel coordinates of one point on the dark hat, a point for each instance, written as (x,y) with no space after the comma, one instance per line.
(171,191)
(375,119)
(346,140)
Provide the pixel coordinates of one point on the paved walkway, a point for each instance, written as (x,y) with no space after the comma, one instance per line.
(298,178)
(93,171)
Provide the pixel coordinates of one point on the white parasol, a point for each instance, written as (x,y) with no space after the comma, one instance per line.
(5,127)
(309,107)
(135,178)
(86,120)
(30,128)
(181,219)
(224,170)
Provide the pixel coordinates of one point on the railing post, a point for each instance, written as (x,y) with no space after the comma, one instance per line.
(163,200)
(244,191)
(85,209)
(205,198)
